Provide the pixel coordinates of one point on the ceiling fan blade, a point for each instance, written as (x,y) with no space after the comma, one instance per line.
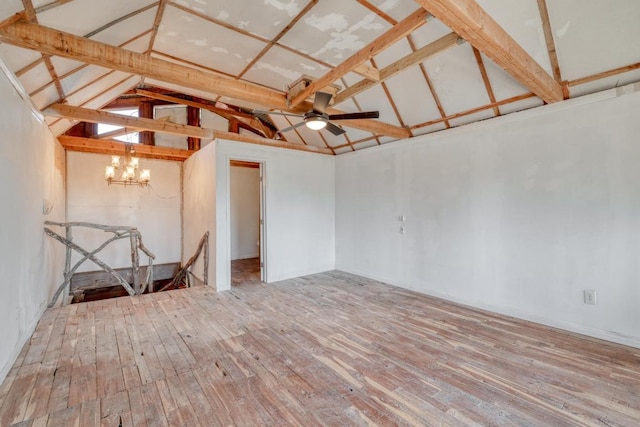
(352,116)
(297,125)
(336,130)
(278,113)
(321,102)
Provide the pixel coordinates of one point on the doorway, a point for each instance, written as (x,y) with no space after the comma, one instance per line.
(246,206)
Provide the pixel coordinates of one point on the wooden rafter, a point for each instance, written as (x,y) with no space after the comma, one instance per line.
(485,79)
(471,22)
(31,16)
(162,4)
(255,125)
(97,116)
(53,42)
(397,32)
(548,36)
(113,147)
(400,65)
(475,110)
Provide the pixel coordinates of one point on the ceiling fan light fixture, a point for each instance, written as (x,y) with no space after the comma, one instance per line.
(315,123)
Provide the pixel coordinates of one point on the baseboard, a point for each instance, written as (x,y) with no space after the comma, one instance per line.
(21,343)
(570,327)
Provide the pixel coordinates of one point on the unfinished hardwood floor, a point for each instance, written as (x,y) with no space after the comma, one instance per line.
(328,349)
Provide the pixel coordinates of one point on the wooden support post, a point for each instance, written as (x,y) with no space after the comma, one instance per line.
(205,274)
(145,110)
(234,126)
(135,263)
(193,119)
(67,265)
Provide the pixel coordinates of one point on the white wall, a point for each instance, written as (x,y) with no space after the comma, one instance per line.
(154,210)
(518,214)
(300,213)
(199,209)
(32,177)
(245,212)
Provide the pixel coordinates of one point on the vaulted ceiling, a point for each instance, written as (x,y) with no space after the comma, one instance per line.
(425,65)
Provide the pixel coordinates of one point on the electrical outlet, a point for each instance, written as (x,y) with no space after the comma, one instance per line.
(590,297)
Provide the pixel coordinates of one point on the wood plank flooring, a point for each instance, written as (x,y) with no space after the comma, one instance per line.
(329,349)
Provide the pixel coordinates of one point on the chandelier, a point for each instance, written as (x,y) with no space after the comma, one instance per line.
(131,175)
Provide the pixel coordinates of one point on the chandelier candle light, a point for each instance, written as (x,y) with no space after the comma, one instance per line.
(130,173)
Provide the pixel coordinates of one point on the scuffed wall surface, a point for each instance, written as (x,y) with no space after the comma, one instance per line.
(154,210)
(32,191)
(517,215)
(199,209)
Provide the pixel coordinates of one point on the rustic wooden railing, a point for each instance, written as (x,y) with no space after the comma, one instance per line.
(183,274)
(119,232)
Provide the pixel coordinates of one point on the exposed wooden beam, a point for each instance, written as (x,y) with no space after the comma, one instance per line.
(400,65)
(12,19)
(97,116)
(367,71)
(485,79)
(58,43)
(397,32)
(248,119)
(548,36)
(475,110)
(471,22)
(91,145)
(604,74)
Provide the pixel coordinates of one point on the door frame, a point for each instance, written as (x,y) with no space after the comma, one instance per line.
(262,234)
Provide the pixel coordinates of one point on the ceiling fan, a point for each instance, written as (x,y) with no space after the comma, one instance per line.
(317,118)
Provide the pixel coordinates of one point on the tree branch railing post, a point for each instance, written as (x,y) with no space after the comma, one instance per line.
(183,273)
(119,232)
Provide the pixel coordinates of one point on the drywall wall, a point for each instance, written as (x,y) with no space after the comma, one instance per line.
(154,210)
(32,191)
(199,209)
(244,212)
(518,214)
(299,204)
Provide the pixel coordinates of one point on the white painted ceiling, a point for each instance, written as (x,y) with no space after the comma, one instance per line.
(263,42)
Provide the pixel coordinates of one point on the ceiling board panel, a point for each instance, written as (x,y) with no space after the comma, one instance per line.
(10,7)
(369,100)
(61,126)
(46,97)
(127,29)
(429,33)
(139,45)
(334,30)
(194,39)
(282,123)
(395,52)
(366,144)
(113,86)
(503,84)
(88,93)
(595,36)
(412,97)
(64,66)
(17,58)
(82,78)
(333,140)
(457,79)
(35,78)
(266,21)
(213,121)
(81,17)
(356,134)
(280,67)
(396,9)
(343,150)
(521,19)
